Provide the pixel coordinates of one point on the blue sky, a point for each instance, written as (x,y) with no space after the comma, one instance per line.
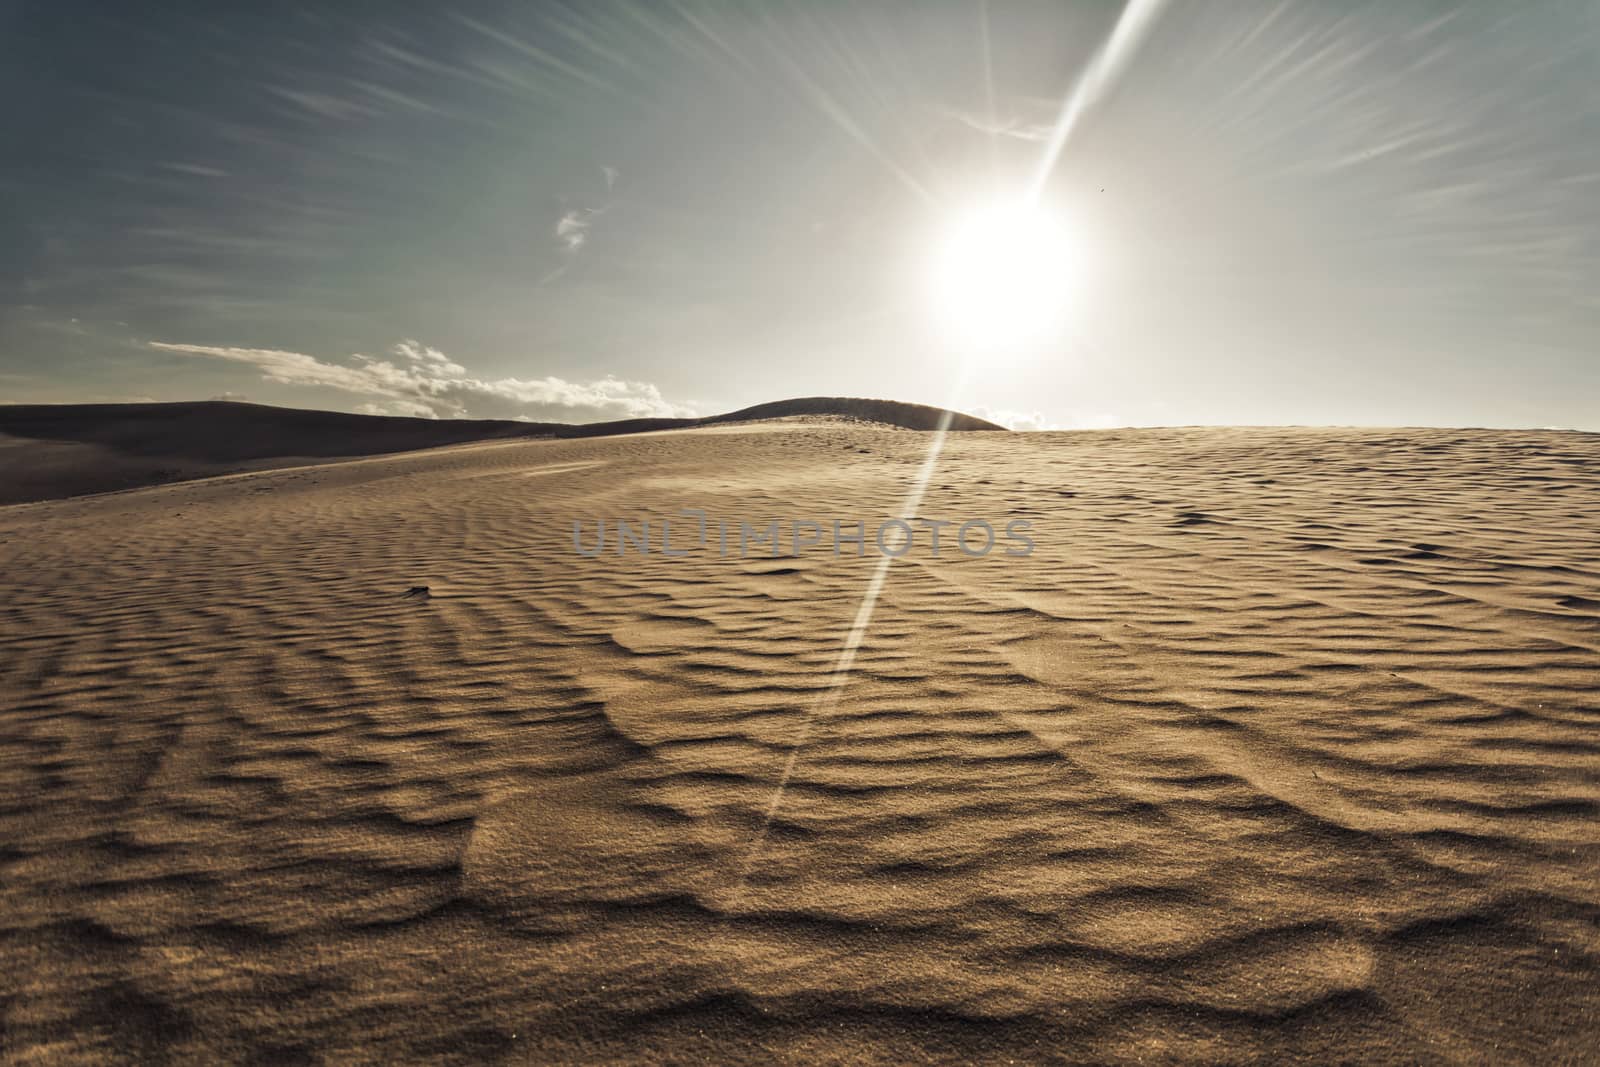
(1298,212)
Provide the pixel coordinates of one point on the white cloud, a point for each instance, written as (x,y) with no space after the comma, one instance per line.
(424,381)
(1016,420)
(1038,420)
(422,354)
(572,229)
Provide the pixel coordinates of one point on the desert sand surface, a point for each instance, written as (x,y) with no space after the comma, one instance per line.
(1283,745)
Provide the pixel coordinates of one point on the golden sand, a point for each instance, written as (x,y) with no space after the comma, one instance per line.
(1282,743)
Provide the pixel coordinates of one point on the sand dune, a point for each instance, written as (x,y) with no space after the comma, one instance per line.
(1282,744)
(60,450)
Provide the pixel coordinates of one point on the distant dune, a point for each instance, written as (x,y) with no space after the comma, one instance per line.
(60,450)
(1282,746)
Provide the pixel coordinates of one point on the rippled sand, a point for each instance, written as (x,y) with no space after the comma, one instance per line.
(1283,743)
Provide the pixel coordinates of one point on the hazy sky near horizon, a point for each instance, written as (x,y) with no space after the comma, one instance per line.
(1379,212)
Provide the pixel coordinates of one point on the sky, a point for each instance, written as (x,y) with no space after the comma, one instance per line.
(1301,212)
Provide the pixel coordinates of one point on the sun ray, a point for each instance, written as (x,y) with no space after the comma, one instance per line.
(1132,25)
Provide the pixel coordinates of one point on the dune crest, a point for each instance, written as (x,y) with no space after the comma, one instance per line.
(60,450)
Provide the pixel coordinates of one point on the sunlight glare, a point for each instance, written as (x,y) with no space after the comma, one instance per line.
(1004,275)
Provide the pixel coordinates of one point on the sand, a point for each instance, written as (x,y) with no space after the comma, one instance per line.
(50,451)
(1282,744)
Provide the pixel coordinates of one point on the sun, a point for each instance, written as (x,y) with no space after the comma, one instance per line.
(1004,275)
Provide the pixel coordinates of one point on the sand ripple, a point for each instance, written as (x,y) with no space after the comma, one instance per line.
(1283,744)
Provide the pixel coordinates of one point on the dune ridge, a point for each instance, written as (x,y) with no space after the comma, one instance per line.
(60,450)
(1281,746)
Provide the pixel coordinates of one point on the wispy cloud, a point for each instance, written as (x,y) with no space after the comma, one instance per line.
(572,229)
(421,380)
(323,105)
(197,170)
(1012,126)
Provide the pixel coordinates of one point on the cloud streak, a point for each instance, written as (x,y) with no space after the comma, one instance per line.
(420,380)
